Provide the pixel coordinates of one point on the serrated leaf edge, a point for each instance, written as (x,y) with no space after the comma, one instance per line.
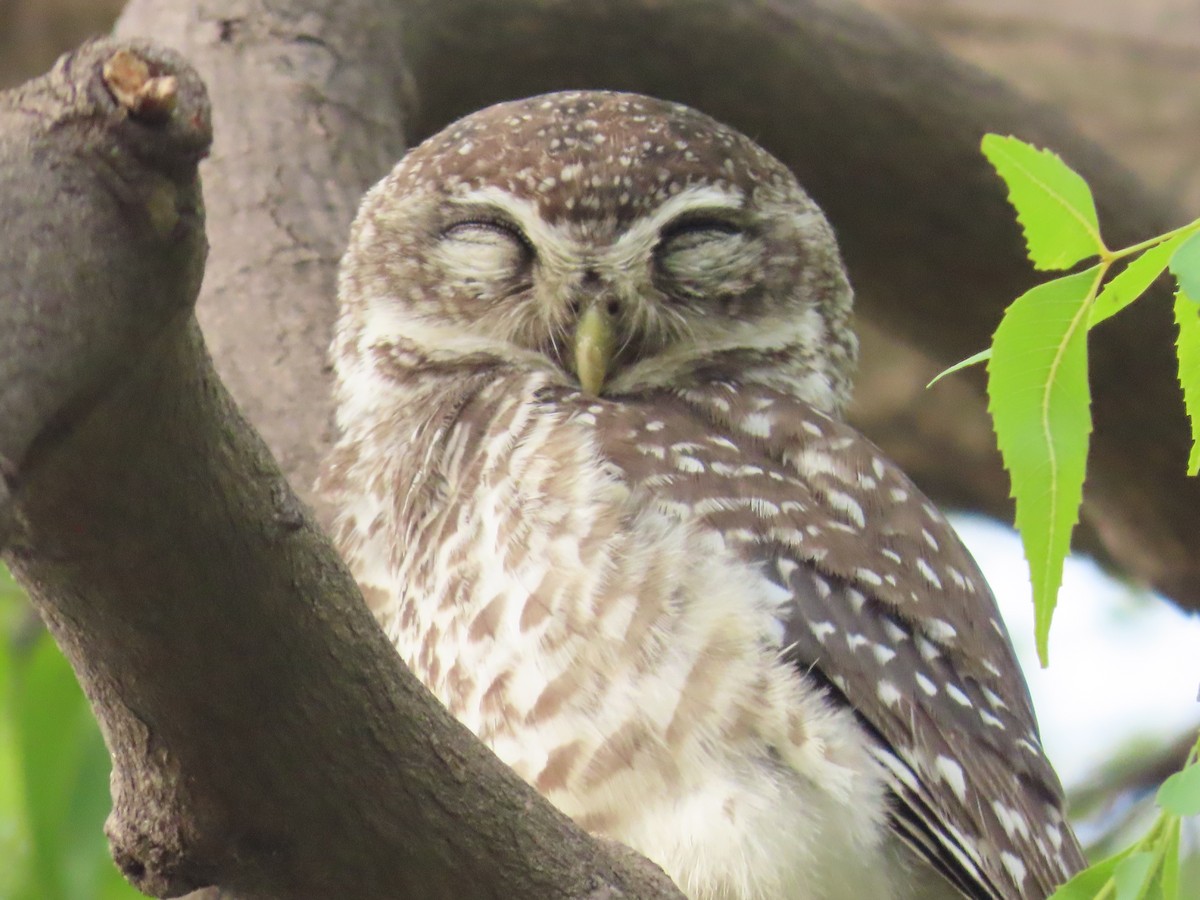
(1091,228)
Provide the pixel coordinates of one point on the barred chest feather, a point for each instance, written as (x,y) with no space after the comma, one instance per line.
(612,650)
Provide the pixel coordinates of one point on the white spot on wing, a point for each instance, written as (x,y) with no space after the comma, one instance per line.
(1015,867)
(854,641)
(757,424)
(869,576)
(941,630)
(958,696)
(951,773)
(927,573)
(888,693)
(822,630)
(846,504)
(883,655)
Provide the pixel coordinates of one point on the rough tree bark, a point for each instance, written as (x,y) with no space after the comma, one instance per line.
(265,738)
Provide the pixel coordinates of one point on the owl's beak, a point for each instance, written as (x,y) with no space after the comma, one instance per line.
(594,342)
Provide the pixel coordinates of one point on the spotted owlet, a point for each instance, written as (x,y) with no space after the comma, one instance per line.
(591,359)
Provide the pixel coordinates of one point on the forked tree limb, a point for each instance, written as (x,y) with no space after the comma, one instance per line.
(265,737)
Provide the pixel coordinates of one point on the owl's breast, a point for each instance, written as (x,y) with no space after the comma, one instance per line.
(608,647)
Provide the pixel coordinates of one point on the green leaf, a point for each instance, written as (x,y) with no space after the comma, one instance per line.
(14,835)
(1187,317)
(12,601)
(1185,265)
(1088,883)
(1180,793)
(65,769)
(1054,204)
(1169,880)
(1131,873)
(53,773)
(1040,404)
(974,359)
(1134,280)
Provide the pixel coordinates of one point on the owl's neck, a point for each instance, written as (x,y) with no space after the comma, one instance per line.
(419,423)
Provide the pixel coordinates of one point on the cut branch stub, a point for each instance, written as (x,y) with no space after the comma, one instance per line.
(135,86)
(100,200)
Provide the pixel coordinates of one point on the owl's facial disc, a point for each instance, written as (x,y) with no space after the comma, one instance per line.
(603,300)
(618,242)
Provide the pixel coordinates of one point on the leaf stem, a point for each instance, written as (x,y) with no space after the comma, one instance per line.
(1108,257)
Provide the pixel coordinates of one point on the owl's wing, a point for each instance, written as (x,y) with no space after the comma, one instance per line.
(889,610)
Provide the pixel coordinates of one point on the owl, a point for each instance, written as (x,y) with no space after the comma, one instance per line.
(591,359)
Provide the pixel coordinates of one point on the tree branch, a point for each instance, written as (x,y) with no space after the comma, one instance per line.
(265,736)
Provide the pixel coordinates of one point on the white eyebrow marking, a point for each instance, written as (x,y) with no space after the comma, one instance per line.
(557,241)
(554,243)
(701,196)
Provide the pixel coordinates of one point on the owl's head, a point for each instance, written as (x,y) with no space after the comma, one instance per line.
(614,241)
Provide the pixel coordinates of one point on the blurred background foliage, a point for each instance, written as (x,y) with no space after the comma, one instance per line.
(53,770)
